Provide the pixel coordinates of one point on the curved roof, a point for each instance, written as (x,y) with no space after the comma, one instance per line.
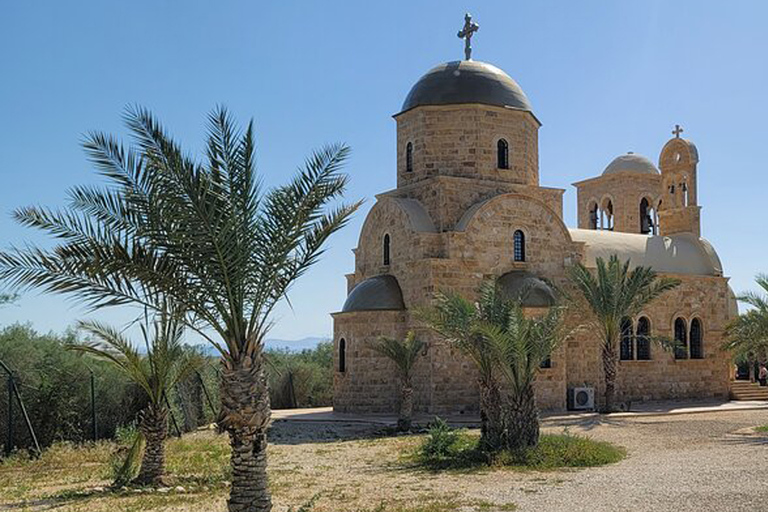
(631,163)
(417,215)
(379,293)
(526,287)
(466,81)
(683,253)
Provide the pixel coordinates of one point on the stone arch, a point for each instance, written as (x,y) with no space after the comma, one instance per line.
(607,212)
(696,338)
(680,335)
(643,333)
(593,213)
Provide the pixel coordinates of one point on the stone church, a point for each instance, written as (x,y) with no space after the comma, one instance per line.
(469,206)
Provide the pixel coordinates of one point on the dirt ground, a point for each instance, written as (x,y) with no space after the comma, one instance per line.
(696,462)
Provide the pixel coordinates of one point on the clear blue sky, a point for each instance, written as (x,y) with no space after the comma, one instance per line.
(603,77)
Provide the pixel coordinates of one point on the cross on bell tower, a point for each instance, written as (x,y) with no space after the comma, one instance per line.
(470,27)
(677,131)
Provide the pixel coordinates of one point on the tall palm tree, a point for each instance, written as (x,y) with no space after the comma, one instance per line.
(165,364)
(522,342)
(455,319)
(404,354)
(747,334)
(612,294)
(204,234)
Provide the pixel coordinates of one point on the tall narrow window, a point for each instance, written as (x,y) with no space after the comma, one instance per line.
(696,342)
(643,339)
(386,249)
(519,243)
(502,154)
(593,215)
(646,221)
(342,355)
(409,157)
(608,216)
(681,339)
(625,350)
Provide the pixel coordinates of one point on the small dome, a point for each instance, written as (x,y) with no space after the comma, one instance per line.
(375,294)
(466,81)
(526,287)
(631,162)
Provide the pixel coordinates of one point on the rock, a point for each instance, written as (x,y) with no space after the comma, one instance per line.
(179,488)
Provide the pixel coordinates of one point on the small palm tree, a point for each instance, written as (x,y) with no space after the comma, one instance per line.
(404,354)
(522,343)
(455,320)
(747,334)
(612,294)
(165,364)
(204,234)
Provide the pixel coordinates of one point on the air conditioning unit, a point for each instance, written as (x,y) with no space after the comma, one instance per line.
(581,399)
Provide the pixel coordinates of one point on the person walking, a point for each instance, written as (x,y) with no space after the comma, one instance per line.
(762,375)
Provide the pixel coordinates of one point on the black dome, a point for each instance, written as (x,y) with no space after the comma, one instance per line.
(375,294)
(466,81)
(525,287)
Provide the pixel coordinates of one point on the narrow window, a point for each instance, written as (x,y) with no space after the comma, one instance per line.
(386,249)
(697,346)
(609,216)
(625,351)
(593,216)
(502,154)
(643,339)
(681,339)
(409,157)
(519,243)
(342,355)
(547,363)
(646,221)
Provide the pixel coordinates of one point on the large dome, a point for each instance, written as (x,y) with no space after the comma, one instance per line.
(466,81)
(631,163)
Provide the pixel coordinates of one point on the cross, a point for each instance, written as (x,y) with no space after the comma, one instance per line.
(677,131)
(470,27)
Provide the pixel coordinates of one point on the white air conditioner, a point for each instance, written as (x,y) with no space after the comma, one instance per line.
(581,399)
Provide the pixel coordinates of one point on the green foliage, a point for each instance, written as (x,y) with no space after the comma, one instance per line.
(747,335)
(403,353)
(764,428)
(125,461)
(444,445)
(309,372)
(55,386)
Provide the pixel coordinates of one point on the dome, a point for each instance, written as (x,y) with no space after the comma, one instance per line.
(631,162)
(379,293)
(527,288)
(466,81)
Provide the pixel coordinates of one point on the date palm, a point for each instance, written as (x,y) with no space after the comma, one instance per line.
(747,334)
(203,234)
(404,354)
(613,293)
(455,319)
(165,364)
(521,343)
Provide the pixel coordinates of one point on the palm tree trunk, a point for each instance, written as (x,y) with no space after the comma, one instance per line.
(491,416)
(406,409)
(523,421)
(245,414)
(153,424)
(610,367)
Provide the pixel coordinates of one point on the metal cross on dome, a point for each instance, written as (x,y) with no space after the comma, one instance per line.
(470,27)
(677,131)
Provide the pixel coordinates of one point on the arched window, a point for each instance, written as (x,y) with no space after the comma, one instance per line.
(342,355)
(593,215)
(519,243)
(646,220)
(386,249)
(502,154)
(409,157)
(697,344)
(547,363)
(625,350)
(608,224)
(643,339)
(681,339)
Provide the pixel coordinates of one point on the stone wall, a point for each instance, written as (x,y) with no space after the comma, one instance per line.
(625,191)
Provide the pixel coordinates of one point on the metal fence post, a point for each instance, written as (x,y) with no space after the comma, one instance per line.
(93,405)
(9,440)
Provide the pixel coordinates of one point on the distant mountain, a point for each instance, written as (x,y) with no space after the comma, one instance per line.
(275,343)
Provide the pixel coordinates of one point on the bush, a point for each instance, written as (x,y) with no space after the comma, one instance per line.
(446,446)
(301,379)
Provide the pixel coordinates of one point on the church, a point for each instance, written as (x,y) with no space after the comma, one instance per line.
(469,207)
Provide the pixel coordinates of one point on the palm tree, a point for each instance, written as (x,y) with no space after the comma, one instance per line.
(203,234)
(613,294)
(164,365)
(522,343)
(404,354)
(747,334)
(455,320)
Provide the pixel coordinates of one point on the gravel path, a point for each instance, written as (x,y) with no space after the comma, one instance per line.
(675,463)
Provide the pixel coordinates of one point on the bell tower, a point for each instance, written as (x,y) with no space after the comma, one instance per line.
(679,211)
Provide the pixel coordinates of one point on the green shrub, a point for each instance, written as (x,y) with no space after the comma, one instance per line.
(301,379)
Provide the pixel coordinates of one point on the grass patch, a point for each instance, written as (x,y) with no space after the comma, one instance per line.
(450,449)
(764,429)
